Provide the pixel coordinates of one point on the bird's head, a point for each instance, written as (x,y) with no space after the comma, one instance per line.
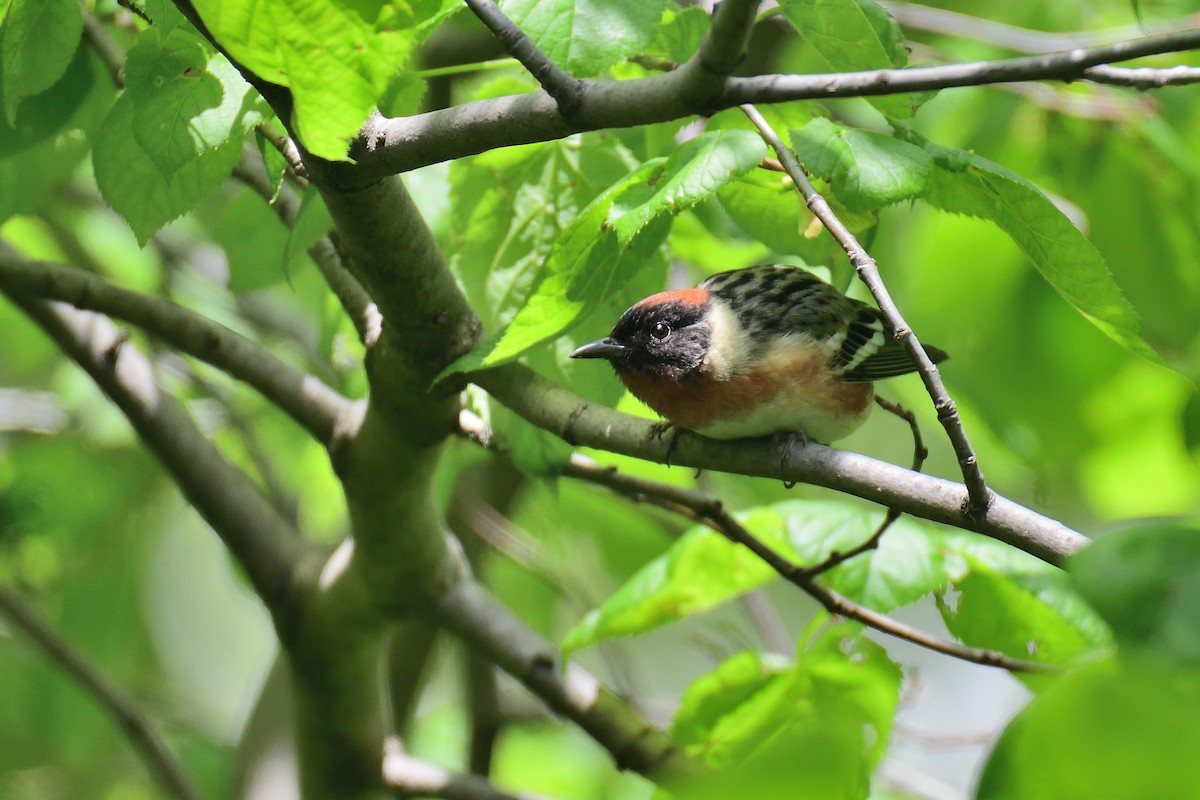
(667,335)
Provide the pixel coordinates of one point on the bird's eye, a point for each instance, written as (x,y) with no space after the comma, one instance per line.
(661,330)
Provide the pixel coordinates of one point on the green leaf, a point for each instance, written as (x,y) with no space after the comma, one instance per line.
(66,104)
(1023,619)
(165,15)
(1145,582)
(702,569)
(695,171)
(586,37)
(252,237)
(964,183)
(311,223)
(37,42)
(188,101)
(273,161)
(680,32)
(337,56)
(849,35)
(509,208)
(584,262)
(813,731)
(1125,731)
(866,170)
(726,714)
(30,179)
(134,186)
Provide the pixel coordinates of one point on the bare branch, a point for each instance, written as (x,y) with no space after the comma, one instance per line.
(303,397)
(711,512)
(565,89)
(275,558)
(977,491)
(145,739)
(111,53)
(580,422)
(397,145)
(468,610)
(389,146)
(1144,77)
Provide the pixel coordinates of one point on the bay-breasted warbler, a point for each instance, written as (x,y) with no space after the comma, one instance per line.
(754,352)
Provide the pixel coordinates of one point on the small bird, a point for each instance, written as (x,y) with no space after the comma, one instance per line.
(755,352)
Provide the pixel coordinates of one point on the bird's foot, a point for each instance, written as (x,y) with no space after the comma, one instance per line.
(785,442)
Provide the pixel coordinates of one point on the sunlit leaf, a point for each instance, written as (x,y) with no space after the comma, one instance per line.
(585,37)
(695,171)
(866,170)
(188,100)
(964,183)
(133,184)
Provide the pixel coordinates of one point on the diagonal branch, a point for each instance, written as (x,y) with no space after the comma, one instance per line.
(488,626)
(947,412)
(389,146)
(142,735)
(315,406)
(566,90)
(711,512)
(580,422)
(277,561)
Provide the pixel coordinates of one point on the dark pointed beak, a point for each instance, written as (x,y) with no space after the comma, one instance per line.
(603,348)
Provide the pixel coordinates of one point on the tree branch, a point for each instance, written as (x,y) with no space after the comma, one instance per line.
(947,412)
(579,422)
(389,146)
(710,511)
(558,83)
(468,610)
(725,45)
(315,406)
(124,711)
(277,561)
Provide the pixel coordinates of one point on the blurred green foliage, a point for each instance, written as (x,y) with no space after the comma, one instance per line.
(1045,192)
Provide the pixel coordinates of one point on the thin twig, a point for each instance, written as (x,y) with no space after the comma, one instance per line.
(920,453)
(111,53)
(1144,77)
(145,739)
(287,148)
(978,496)
(711,512)
(558,83)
